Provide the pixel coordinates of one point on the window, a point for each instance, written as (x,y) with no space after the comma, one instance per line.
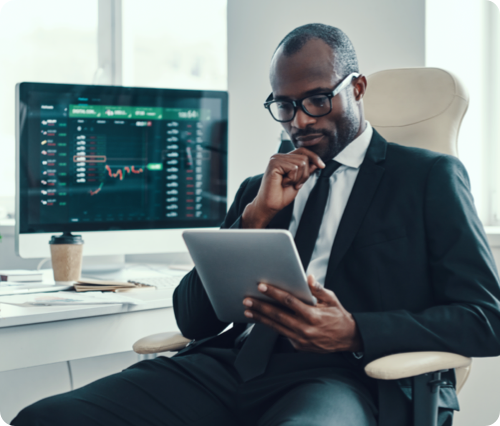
(179,44)
(50,41)
(492,86)
(162,43)
(462,36)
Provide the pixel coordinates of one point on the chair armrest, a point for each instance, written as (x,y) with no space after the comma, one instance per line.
(400,366)
(161,342)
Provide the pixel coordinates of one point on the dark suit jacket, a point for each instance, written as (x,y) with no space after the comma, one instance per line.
(410,259)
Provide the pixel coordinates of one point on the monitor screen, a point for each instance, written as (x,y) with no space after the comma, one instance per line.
(105,158)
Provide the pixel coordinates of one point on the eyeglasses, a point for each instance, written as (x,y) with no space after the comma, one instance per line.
(314,106)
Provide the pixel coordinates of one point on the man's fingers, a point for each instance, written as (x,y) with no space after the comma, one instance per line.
(295,169)
(285,299)
(275,313)
(299,177)
(320,292)
(297,166)
(311,280)
(313,158)
(280,328)
(308,159)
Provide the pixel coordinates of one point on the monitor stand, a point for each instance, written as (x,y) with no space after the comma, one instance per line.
(103,264)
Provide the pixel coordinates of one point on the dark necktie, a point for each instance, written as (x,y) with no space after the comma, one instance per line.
(254,354)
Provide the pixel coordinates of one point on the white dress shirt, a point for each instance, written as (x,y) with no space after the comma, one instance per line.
(341,183)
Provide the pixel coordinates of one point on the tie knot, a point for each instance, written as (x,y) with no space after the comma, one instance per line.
(330,167)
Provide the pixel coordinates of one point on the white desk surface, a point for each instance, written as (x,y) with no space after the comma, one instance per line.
(11,315)
(38,335)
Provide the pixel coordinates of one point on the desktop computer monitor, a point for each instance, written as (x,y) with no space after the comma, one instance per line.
(126,167)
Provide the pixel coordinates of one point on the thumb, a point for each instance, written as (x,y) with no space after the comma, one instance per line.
(322,294)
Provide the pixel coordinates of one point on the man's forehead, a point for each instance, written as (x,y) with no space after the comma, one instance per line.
(312,66)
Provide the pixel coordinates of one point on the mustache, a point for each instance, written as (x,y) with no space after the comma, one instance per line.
(310,131)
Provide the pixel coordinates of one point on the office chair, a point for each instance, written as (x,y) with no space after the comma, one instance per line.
(418,107)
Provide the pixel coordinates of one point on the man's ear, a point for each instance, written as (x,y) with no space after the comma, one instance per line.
(360,87)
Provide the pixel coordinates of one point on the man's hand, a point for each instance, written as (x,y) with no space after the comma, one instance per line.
(284,176)
(326,327)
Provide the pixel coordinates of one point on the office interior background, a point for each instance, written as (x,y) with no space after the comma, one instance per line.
(227,45)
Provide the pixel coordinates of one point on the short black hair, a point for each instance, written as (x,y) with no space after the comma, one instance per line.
(345,55)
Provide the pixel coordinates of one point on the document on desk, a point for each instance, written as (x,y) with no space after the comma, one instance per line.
(69,298)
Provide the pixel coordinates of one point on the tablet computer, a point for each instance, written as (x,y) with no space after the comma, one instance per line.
(232,262)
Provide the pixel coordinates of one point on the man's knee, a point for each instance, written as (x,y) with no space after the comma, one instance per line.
(301,420)
(30,416)
(47,412)
(323,402)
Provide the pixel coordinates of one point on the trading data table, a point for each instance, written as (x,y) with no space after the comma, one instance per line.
(124,164)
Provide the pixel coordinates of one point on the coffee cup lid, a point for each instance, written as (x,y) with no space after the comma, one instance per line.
(66,238)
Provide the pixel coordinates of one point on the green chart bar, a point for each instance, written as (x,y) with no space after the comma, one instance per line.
(138,113)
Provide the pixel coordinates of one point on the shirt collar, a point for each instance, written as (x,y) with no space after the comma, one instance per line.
(354,153)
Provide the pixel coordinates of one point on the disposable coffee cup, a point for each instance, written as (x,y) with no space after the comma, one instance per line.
(66,253)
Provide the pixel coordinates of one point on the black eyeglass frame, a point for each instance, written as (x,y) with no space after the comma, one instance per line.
(341,86)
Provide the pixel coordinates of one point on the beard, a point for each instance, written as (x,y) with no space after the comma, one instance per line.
(346,128)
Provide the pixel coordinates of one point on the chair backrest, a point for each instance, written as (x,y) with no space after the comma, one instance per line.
(419,107)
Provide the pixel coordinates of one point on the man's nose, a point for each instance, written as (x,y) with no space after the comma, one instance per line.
(302,120)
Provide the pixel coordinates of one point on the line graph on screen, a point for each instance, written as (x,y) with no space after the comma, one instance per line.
(120,173)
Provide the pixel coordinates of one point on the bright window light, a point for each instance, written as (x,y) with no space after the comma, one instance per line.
(175,44)
(52,41)
(166,44)
(456,34)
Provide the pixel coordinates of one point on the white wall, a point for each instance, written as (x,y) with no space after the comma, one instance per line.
(464,46)
(385,33)
(23,387)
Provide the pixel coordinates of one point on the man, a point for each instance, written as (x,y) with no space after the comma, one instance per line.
(396,255)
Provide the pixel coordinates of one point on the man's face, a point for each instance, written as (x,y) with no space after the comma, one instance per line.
(308,72)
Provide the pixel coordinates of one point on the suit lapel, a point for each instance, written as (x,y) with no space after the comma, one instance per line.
(361,196)
(282,218)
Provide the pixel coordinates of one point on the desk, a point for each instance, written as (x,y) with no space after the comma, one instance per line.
(45,337)
(31,336)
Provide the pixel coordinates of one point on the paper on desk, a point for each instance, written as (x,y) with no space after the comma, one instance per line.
(47,279)
(61,298)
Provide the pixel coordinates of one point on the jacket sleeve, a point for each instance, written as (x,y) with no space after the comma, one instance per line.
(465,318)
(194,313)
